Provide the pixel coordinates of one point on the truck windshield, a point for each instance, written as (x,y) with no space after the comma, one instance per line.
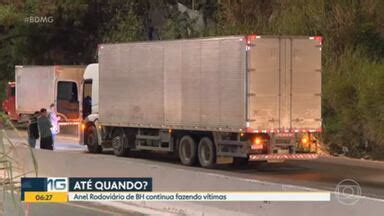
(67,91)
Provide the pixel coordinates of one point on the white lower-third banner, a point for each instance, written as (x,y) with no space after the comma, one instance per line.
(199,196)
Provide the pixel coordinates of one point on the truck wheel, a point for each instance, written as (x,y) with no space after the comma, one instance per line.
(206,153)
(119,139)
(92,142)
(187,151)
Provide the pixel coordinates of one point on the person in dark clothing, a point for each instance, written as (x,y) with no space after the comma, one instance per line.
(87,106)
(46,141)
(33,130)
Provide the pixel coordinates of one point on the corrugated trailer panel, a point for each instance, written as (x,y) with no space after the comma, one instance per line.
(191,80)
(197,84)
(201,84)
(210,60)
(232,81)
(173,95)
(34,88)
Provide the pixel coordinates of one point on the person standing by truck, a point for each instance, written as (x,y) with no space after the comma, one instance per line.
(55,129)
(45,126)
(33,130)
(87,106)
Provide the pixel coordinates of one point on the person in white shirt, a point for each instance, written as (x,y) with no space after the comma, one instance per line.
(55,129)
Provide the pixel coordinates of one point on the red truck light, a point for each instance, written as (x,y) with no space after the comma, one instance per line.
(249,38)
(317,38)
(257,143)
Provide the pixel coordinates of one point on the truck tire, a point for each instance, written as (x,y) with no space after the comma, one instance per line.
(92,141)
(206,153)
(187,151)
(119,140)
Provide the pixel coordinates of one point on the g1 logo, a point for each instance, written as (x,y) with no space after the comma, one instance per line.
(57,184)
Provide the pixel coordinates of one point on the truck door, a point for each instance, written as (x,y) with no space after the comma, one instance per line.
(306,82)
(284,83)
(87,98)
(263,73)
(67,99)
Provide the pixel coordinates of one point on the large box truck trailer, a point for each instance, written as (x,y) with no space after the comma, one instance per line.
(39,86)
(242,98)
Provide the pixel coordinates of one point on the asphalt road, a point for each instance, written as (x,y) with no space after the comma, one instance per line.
(71,159)
(323,173)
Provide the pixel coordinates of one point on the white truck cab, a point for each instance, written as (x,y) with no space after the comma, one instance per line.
(91,132)
(91,85)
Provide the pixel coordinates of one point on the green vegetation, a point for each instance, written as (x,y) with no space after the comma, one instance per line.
(353,51)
